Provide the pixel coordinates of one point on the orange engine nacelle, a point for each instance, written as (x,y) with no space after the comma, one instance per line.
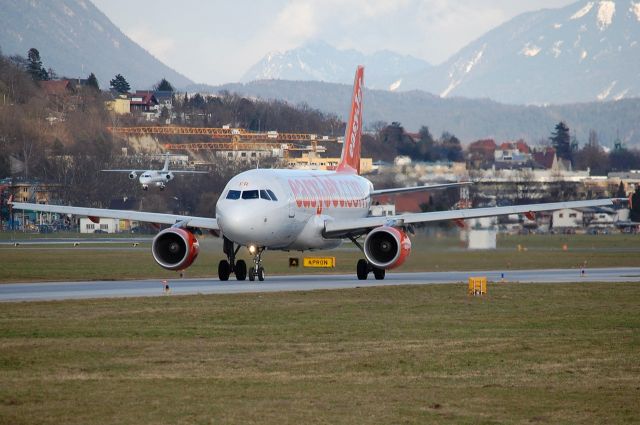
(387,247)
(175,249)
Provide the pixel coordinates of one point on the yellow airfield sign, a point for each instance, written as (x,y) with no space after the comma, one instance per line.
(320,262)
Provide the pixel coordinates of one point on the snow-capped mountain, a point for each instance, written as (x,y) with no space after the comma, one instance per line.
(319,61)
(75,38)
(589,50)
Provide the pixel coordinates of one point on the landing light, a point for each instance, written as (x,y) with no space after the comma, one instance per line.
(252,249)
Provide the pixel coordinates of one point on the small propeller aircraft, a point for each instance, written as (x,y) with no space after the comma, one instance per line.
(158,177)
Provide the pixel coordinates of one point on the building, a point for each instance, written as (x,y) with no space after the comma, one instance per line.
(568,219)
(313,161)
(515,154)
(382,210)
(104,225)
(119,105)
(145,103)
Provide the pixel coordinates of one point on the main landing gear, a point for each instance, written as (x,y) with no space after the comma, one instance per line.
(364,267)
(230,265)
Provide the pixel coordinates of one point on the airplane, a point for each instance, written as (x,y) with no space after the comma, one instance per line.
(301,210)
(158,177)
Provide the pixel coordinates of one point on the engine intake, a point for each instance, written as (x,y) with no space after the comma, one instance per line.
(387,247)
(132,175)
(175,249)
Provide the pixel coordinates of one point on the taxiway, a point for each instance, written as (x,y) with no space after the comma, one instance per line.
(45,291)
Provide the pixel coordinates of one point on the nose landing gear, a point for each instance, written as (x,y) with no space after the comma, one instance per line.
(257,270)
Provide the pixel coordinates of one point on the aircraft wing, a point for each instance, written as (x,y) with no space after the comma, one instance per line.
(124,171)
(418,188)
(338,228)
(189,221)
(187,172)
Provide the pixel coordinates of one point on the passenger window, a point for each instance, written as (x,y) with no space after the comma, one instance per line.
(250,194)
(263,195)
(273,195)
(233,194)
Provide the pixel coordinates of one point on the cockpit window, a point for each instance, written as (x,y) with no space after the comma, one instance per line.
(250,194)
(264,195)
(146,175)
(273,195)
(233,194)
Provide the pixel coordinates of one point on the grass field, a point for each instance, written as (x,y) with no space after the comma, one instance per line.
(565,353)
(123,261)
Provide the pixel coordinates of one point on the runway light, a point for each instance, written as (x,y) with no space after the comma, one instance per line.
(252,249)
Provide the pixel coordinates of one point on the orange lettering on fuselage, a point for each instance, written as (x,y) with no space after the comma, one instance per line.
(322,192)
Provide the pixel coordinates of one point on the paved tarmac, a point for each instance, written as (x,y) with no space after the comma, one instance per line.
(155,287)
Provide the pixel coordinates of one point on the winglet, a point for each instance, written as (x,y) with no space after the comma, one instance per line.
(350,160)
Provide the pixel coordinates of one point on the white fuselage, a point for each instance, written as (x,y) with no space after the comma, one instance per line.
(248,215)
(159,178)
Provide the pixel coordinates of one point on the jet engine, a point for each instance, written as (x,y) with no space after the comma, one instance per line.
(387,247)
(133,175)
(175,249)
(169,176)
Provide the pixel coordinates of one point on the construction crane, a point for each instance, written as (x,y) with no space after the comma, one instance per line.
(240,139)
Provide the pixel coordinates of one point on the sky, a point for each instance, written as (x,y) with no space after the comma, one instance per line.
(216,42)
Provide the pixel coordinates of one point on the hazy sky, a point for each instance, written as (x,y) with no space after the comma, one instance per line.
(217,41)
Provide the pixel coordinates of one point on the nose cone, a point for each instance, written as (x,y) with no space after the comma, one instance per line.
(244,223)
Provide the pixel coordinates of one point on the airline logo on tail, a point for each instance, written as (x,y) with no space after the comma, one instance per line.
(350,161)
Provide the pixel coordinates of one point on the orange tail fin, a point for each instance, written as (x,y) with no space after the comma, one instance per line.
(350,160)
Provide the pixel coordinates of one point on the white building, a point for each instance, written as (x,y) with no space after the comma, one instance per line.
(382,210)
(567,219)
(105,225)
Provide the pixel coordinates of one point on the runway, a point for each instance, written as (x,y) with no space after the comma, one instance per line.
(47,291)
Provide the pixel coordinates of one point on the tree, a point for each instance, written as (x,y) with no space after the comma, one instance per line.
(621,192)
(635,206)
(561,141)
(92,82)
(164,85)
(120,84)
(34,66)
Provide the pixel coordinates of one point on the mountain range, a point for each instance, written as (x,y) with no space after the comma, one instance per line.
(319,61)
(75,38)
(587,51)
(468,119)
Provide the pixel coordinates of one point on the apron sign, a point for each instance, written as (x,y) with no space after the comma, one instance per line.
(320,262)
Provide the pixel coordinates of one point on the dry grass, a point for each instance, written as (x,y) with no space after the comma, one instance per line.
(123,261)
(525,353)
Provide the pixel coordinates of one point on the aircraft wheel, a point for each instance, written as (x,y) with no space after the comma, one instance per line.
(362,269)
(241,270)
(161,188)
(261,274)
(145,187)
(224,270)
(379,273)
(252,274)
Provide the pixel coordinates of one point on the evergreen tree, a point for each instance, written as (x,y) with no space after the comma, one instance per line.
(120,84)
(164,85)
(635,207)
(34,66)
(621,193)
(92,82)
(561,141)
